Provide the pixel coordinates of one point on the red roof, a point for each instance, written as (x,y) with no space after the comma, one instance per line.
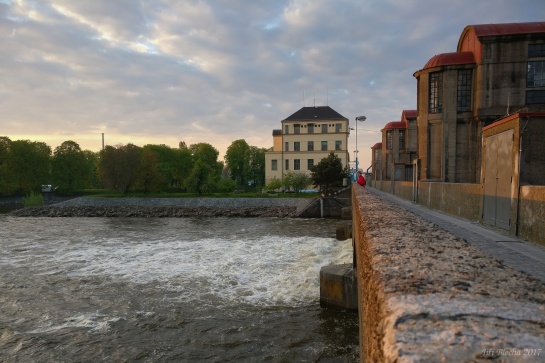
(378,145)
(395,125)
(409,113)
(486,30)
(514,116)
(447,59)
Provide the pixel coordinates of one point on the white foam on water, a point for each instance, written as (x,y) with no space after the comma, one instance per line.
(269,271)
(243,268)
(93,322)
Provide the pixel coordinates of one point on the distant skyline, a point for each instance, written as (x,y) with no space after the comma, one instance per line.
(165,71)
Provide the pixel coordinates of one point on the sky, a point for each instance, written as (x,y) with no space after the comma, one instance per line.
(165,71)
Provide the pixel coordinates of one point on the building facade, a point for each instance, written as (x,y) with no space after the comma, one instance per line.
(394,156)
(306,137)
(497,70)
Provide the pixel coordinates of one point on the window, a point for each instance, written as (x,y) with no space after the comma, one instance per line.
(338,144)
(296,146)
(274,164)
(296,164)
(324,128)
(401,140)
(389,143)
(324,145)
(338,127)
(296,129)
(287,165)
(536,50)
(287,129)
(310,128)
(310,146)
(533,97)
(535,77)
(436,93)
(286,146)
(463,100)
(310,163)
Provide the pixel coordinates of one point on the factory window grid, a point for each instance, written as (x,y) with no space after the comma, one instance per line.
(463,100)
(436,93)
(389,139)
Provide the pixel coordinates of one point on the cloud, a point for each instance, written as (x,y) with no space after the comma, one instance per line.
(162,71)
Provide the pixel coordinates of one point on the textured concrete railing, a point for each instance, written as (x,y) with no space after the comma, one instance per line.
(425,295)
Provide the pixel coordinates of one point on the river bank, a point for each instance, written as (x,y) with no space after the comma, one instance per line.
(169,207)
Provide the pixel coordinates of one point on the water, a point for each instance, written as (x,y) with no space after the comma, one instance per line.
(170,290)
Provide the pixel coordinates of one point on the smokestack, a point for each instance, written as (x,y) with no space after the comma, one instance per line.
(103,141)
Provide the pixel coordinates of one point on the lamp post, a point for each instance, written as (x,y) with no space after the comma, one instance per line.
(359,118)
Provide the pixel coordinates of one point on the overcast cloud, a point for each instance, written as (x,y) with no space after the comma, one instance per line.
(164,71)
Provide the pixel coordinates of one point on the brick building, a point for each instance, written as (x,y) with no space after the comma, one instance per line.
(497,70)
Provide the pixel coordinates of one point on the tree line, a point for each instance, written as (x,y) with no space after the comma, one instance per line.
(25,166)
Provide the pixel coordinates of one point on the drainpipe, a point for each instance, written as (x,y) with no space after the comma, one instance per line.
(518,178)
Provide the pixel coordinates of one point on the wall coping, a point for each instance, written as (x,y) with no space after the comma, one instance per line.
(426,295)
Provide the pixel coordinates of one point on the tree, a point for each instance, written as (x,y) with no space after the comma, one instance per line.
(201,180)
(255,171)
(119,166)
(236,158)
(274,184)
(206,170)
(150,178)
(328,173)
(296,180)
(28,165)
(5,182)
(91,159)
(69,167)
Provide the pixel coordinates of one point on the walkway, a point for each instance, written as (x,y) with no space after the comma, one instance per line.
(516,253)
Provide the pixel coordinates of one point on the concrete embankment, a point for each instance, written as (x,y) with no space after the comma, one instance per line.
(425,295)
(171,207)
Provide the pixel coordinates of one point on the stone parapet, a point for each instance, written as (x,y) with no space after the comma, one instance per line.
(425,295)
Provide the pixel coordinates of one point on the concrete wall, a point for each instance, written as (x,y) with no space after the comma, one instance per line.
(459,199)
(404,189)
(532,214)
(426,296)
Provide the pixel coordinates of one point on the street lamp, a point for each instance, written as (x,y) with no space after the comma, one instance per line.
(359,118)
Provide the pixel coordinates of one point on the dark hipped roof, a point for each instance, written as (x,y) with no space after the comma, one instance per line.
(277,132)
(316,113)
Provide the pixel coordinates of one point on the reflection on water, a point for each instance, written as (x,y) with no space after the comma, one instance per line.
(215,289)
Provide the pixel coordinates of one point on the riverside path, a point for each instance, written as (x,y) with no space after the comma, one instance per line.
(516,253)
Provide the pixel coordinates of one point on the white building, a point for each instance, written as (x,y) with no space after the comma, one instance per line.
(306,137)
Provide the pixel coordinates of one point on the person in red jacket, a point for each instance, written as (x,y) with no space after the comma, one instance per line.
(361,179)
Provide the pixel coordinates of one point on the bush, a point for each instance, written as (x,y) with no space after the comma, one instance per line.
(274,184)
(33,200)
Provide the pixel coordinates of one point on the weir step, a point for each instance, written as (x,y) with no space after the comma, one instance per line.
(338,287)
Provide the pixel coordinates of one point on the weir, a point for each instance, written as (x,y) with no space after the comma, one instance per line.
(425,295)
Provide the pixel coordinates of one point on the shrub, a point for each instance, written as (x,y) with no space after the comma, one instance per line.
(33,200)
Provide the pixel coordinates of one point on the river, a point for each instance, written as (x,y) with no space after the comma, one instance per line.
(170,290)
